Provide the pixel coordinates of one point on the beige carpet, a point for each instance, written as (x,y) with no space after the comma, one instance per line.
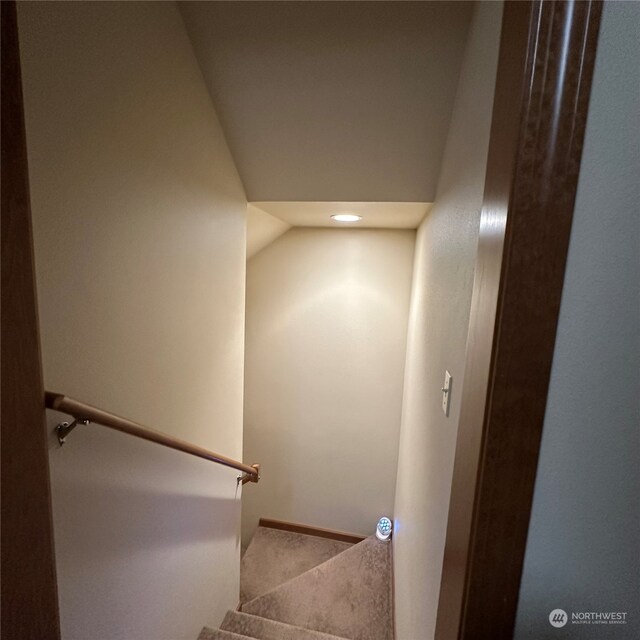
(244,625)
(275,556)
(347,595)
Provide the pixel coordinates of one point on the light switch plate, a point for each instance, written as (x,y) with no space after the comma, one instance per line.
(446,393)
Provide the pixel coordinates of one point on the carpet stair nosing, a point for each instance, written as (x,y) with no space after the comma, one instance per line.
(264,567)
(221,634)
(326,605)
(347,596)
(292,579)
(259,628)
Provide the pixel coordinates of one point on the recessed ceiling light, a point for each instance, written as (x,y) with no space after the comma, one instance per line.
(346,217)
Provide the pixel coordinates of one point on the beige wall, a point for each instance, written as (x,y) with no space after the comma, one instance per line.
(327,314)
(262,229)
(584,534)
(140,241)
(440,303)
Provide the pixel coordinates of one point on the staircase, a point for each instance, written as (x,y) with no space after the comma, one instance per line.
(299,586)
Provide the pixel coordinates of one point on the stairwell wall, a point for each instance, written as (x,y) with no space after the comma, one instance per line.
(439,317)
(327,313)
(139,230)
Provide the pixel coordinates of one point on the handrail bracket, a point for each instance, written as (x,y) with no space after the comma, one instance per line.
(65,428)
(249,477)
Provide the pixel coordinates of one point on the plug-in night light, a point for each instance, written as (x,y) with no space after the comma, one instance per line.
(383,530)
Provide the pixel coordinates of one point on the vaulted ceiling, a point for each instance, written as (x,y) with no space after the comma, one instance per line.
(332,101)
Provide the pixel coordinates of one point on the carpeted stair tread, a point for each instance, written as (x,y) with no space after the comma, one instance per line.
(252,626)
(275,557)
(219,634)
(348,596)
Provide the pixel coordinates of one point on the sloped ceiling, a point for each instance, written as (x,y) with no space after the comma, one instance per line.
(267,221)
(374,215)
(332,101)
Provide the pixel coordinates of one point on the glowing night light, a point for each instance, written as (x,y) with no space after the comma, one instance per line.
(383,530)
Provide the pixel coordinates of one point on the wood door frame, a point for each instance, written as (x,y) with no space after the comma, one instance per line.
(545,67)
(29,588)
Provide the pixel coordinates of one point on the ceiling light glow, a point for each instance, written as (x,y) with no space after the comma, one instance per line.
(346,217)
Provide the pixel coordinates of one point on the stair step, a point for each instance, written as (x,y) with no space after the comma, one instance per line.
(252,626)
(348,596)
(219,634)
(275,557)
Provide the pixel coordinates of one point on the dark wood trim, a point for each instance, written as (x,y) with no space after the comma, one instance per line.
(354,538)
(29,591)
(545,67)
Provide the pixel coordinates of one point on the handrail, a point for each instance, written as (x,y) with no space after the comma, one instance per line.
(85,413)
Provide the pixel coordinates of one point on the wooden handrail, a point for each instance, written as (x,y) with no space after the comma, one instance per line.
(85,413)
